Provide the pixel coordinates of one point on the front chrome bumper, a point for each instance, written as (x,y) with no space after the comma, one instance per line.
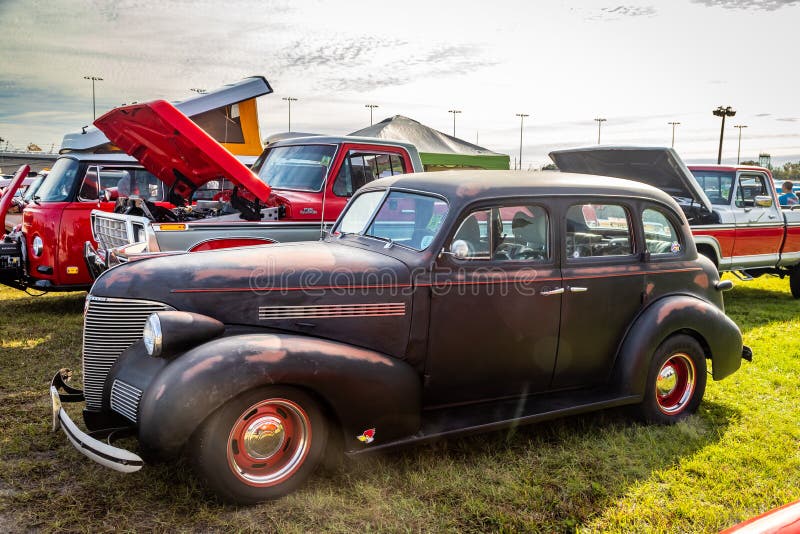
(101,452)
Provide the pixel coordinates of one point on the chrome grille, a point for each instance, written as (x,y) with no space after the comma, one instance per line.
(125,399)
(110,233)
(109,327)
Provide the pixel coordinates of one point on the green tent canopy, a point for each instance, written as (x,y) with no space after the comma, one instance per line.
(437,150)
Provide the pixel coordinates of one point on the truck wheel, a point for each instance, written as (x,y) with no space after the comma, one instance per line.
(676,381)
(794,282)
(261,445)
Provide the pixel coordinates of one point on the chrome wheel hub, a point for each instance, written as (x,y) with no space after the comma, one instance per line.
(667,380)
(264,437)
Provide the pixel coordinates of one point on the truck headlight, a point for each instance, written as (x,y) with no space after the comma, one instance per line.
(168,334)
(151,335)
(37,246)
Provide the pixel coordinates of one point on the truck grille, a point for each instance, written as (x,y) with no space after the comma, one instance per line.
(109,327)
(125,399)
(110,233)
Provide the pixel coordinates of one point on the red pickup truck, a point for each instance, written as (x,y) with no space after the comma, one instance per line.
(296,188)
(733,210)
(46,252)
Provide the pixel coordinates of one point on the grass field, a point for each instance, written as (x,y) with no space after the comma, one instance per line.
(738,457)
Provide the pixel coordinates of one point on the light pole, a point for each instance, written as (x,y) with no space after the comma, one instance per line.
(600,122)
(739,150)
(94,79)
(722,112)
(290,99)
(521,120)
(371,107)
(198,90)
(673,124)
(454,112)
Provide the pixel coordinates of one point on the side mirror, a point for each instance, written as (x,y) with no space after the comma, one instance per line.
(763,201)
(459,249)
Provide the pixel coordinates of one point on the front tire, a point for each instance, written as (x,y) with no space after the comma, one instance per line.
(676,381)
(261,445)
(794,282)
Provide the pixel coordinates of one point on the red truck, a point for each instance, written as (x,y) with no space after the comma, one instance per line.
(733,210)
(296,188)
(46,252)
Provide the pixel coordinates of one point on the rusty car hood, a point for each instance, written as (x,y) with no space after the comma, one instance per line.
(175,149)
(294,273)
(657,166)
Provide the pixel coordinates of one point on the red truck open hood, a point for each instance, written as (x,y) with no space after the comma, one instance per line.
(656,166)
(168,144)
(8,194)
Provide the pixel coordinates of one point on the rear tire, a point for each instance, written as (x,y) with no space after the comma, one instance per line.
(794,282)
(261,445)
(676,381)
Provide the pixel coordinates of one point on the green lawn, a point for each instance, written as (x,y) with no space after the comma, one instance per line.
(738,457)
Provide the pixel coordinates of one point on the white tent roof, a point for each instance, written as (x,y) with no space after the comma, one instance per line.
(426,139)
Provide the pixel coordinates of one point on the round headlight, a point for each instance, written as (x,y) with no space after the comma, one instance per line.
(38,246)
(151,335)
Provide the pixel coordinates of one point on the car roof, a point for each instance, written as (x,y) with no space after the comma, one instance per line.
(336,140)
(466,186)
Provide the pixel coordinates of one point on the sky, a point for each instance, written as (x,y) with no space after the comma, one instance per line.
(638,64)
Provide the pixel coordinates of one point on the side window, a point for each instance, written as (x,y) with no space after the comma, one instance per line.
(360,168)
(89,190)
(750,187)
(598,230)
(661,236)
(507,233)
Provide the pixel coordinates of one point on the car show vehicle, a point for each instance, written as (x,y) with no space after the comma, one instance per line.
(733,210)
(49,247)
(439,304)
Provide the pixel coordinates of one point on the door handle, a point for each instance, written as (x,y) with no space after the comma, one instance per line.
(556,291)
(578,289)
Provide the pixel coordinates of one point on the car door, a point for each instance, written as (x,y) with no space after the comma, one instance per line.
(759,229)
(603,285)
(495,310)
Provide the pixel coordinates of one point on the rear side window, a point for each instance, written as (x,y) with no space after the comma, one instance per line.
(360,168)
(750,186)
(661,236)
(598,230)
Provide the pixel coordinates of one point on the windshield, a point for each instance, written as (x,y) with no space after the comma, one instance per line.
(717,185)
(302,167)
(32,189)
(58,184)
(408,219)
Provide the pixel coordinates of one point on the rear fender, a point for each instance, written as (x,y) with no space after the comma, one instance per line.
(363,389)
(716,332)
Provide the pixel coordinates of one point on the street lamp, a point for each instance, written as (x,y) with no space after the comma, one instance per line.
(600,122)
(722,112)
(290,99)
(371,107)
(521,120)
(673,124)
(739,150)
(198,90)
(94,79)
(454,112)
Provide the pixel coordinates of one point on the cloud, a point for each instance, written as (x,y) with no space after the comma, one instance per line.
(618,12)
(763,114)
(788,119)
(764,5)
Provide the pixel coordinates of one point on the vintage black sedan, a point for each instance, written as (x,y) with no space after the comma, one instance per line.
(439,304)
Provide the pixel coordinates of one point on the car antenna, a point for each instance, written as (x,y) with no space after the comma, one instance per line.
(324,194)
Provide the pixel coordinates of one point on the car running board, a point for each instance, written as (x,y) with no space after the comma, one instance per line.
(483,417)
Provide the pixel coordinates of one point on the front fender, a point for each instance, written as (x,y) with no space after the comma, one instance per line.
(715,331)
(364,389)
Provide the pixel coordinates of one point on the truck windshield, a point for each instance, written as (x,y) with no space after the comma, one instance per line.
(717,185)
(301,167)
(408,219)
(59,183)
